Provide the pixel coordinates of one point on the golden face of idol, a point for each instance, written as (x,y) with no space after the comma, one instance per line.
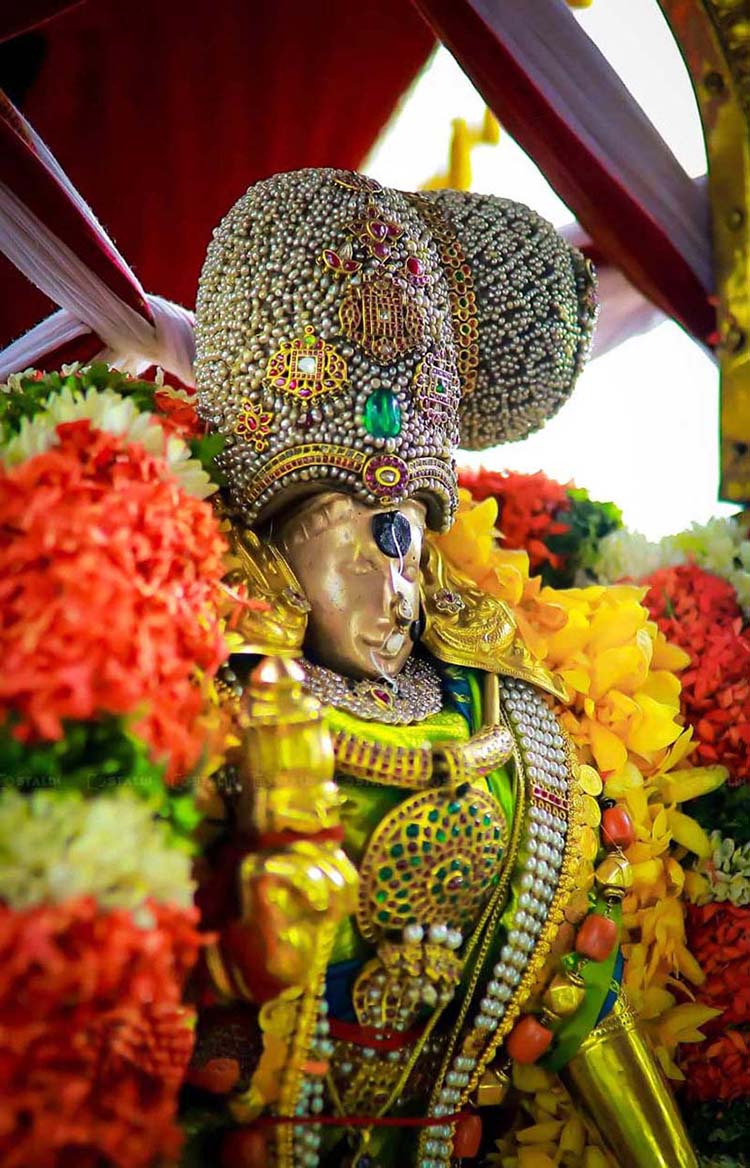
(359,568)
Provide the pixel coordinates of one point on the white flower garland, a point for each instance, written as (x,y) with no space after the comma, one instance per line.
(57,845)
(115,414)
(728,870)
(720,546)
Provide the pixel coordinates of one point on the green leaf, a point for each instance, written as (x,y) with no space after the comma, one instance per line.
(206,449)
(93,758)
(588,522)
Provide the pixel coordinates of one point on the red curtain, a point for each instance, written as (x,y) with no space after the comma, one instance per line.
(162,112)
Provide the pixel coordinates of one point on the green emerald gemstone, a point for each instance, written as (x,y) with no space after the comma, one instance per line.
(382,414)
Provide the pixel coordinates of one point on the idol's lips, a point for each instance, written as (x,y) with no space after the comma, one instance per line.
(388,646)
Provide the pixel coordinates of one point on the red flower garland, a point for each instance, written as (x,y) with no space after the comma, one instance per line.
(699,612)
(94,1042)
(719,939)
(109,581)
(529,507)
(178,416)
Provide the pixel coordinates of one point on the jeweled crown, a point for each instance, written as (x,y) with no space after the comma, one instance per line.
(350,336)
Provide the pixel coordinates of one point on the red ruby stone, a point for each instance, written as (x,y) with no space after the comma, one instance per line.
(528,1040)
(378,230)
(596,937)
(381,250)
(617,828)
(332,259)
(467,1138)
(414,266)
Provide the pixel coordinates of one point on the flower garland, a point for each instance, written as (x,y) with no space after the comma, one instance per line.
(720,547)
(621,656)
(94,1040)
(115,621)
(111,573)
(559,527)
(58,846)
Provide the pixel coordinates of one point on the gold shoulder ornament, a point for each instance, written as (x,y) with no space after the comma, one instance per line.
(466,626)
(257,568)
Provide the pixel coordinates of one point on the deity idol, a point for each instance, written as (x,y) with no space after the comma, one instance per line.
(398,833)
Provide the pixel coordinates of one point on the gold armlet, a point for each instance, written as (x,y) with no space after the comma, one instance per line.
(415,768)
(465,762)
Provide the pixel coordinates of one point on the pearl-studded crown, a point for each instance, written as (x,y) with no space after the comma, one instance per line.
(350,336)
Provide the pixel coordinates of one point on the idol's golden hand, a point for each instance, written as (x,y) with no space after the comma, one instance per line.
(286,899)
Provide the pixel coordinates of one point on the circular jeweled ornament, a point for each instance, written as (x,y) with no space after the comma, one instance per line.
(386,476)
(435,857)
(411,697)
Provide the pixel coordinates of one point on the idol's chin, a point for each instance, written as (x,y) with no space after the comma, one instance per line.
(389,663)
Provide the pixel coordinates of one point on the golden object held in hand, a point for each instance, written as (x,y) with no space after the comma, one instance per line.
(287,762)
(288,896)
(614,1065)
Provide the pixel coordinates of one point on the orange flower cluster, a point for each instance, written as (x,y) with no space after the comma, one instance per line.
(177,413)
(529,509)
(718,1071)
(700,612)
(109,586)
(719,935)
(94,1042)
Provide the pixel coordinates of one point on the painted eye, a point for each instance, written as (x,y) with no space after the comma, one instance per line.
(392,533)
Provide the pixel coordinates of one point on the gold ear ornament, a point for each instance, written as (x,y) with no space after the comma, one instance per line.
(466,626)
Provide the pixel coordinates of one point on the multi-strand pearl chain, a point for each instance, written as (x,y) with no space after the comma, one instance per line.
(541,855)
(306,1136)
